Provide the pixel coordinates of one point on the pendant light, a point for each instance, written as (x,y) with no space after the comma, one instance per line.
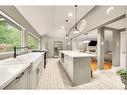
(75,29)
(66,37)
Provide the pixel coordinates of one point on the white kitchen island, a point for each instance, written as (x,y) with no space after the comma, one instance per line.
(77,66)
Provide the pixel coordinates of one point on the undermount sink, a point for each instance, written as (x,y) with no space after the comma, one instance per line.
(15,61)
(26,58)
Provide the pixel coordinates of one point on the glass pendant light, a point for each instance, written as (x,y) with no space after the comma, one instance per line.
(75,29)
(66,37)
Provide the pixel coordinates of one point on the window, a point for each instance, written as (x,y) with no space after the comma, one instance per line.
(33,42)
(9,36)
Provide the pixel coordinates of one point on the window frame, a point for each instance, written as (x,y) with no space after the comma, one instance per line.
(29,33)
(24,35)
(14,24)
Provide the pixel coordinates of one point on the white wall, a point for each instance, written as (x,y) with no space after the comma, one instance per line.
(44,42)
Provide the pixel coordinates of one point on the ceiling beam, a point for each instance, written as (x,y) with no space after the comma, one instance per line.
(109,22)
(80,20)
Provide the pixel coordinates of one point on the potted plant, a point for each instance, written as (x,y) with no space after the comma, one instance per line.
(123,74)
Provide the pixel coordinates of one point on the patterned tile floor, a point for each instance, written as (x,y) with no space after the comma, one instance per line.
(54,77)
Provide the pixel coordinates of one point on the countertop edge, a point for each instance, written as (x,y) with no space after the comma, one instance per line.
(13,77)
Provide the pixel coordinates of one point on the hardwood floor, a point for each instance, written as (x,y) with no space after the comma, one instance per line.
(107,65)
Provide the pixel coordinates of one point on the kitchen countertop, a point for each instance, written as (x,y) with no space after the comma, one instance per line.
(10,68)
(9,72)
(77,54)
(25,58)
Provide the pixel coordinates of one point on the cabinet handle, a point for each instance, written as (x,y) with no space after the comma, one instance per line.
(37,70)
(20,75)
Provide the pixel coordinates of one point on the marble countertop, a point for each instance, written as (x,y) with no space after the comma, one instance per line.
(9,72)
(77,54)
(10,68)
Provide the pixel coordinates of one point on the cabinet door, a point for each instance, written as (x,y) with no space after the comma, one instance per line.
(20,82)
(33,79)
(70,68)
(66,63)
(40,68)
(123,50)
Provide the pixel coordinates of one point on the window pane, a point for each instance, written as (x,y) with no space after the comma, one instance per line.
(32,42)
(9,36)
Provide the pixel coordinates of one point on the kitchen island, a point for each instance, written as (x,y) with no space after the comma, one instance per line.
(77,66)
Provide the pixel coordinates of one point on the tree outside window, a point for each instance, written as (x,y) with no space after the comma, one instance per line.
(32,42)
(9,36)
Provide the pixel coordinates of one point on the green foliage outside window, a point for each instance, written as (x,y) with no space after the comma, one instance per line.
(32,42)
(9,37)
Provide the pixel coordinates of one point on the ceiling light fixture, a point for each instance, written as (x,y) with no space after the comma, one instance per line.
(75,29)
(66,37)
(86,41)
(70,14)
(109,10)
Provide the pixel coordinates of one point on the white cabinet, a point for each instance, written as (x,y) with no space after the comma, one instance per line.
(68,66)
(29,78)
(39,72)
(33,79)
(36,72)
(77,66)
(20,82)
(123,51)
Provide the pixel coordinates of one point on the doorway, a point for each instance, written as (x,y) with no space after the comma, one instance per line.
(58,45)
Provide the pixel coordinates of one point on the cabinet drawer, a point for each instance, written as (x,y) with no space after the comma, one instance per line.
(20,82)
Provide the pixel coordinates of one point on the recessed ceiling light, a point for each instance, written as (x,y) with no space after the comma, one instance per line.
(70,14)
(62,27)
(86,41)
(109,10)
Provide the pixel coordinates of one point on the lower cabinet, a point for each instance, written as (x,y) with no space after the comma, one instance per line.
(30,78)
(20,82)
(33,79)
(69,66)
(39,73)
(36,73)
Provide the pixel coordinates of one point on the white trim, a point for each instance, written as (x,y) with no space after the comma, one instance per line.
(39,44)
(6,16)
(33,35)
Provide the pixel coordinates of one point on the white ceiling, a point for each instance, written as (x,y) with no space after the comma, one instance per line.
(47,20)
